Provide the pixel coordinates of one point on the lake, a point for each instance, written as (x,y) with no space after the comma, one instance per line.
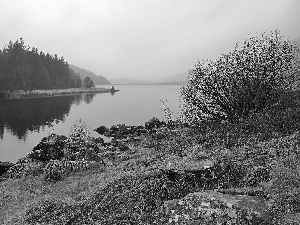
(24,122)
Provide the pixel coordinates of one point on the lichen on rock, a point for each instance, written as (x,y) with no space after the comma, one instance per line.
(210,207)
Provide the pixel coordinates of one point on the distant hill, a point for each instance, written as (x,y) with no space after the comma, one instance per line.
(97,79)
(178,78)
(127,81)
(175,79)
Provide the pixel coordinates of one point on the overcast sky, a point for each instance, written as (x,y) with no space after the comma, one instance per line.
(142,39)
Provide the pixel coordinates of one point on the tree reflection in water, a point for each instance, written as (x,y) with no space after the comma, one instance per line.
(20,115)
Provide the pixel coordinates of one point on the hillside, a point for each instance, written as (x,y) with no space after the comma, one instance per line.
(126,81)
(177,79)
(181,77)
(97,79)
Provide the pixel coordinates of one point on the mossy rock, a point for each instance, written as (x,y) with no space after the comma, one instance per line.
(211,207)
(49,148)
(25,167)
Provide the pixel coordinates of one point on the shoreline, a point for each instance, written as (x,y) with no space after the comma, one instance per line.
(21,94)
(154,161)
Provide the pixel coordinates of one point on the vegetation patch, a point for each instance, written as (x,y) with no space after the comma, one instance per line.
(238,130)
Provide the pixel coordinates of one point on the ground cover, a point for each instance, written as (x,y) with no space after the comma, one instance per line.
(206,174)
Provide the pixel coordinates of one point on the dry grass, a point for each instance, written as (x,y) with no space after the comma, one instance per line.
(130,189)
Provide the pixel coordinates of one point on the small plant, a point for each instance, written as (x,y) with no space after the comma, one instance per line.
(167,111)
(79,145)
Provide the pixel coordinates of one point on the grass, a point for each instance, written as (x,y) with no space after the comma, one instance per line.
(263,148)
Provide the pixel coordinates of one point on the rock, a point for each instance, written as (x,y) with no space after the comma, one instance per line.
(98,141)
(114,131)
(49,148)
(102,130)
(211,207)
(58,169)
(174,162)
(159,133)
(121,131)
(137,138)
(250,191)
(119,144)
(141,130)
(257,175)
(25,167)
(200,172)
(154,123)
(4,166)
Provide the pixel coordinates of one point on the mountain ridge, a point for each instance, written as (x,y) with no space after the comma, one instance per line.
(177,79)
(83,73)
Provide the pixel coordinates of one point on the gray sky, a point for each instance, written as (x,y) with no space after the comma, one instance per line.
(142,39)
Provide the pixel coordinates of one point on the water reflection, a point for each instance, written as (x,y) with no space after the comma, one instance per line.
(88,98)
(20,115)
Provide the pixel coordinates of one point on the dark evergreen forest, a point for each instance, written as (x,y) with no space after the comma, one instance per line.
(25,68)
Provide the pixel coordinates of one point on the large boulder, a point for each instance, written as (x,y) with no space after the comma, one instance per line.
(119,145)
(211,207)
(49,148)
(202,173)
(121,131)
(25,167)
(4,166)
(102,130)
(58,169)
(154,123)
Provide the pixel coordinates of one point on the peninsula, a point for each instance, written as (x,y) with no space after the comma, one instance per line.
(20,94)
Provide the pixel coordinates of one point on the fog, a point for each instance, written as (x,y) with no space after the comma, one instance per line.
(142,39)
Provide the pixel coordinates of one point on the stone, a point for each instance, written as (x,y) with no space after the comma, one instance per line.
(4,166)
(200,173)
(250,191)
(160,133)
(98,141)
(25,167)
(154,123)
(49,148)
(58,169)
(137,138)
(210,207)
(102,130)
(121,131)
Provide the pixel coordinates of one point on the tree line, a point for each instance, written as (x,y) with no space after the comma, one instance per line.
(25,68)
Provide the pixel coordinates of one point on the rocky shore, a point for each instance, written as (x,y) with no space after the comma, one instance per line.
(21,94)
(162,173)
(179,189)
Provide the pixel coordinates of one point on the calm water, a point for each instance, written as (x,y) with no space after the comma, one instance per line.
(23,122)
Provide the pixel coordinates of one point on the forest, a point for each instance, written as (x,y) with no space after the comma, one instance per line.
(25,68)
(97,79)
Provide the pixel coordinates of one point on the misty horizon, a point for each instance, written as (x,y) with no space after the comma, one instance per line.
(142,40)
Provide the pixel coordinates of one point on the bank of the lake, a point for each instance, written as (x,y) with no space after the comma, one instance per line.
(24,122)
(21,94)
(163,173)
